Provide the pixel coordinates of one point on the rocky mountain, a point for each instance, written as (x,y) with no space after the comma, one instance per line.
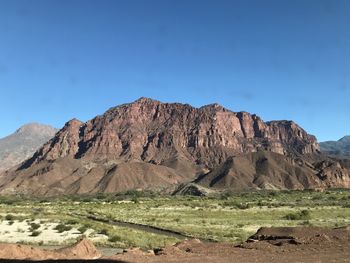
(155,132)
(149,144)
(22,144)
(340,147)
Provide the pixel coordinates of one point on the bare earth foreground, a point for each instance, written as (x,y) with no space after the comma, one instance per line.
(284,244)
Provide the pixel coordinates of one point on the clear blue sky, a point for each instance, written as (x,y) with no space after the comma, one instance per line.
(279,59)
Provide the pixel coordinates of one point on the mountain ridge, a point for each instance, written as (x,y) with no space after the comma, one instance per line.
(338,148)
(135,117)
(149,144)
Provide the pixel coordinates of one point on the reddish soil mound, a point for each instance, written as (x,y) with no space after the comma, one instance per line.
(83,249)
(14,251)
(279,236)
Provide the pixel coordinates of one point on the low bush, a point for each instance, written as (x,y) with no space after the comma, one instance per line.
(9,217)
(302,215)
(34,226)
(83,229)
(35,233)
(62,228)
(72,222)
(114,239)
(103,232)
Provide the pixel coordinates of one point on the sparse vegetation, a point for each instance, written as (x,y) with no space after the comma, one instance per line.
(34,226)
(62,228)
(103,232)
(302,215)
(230,217)
(35,233)
(82,229)
(114,239)
(9,217)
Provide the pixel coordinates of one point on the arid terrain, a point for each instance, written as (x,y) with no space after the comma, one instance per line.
(291,226)
(167,182)
(184,131)
(151,145)
(301,244)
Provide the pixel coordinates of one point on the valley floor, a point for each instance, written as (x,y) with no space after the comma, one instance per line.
(150,221)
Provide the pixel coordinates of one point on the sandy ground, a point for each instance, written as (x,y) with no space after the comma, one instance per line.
(283,244)
(19,232)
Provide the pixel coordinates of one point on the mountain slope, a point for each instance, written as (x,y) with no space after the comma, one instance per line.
(268,170)
(22,144)
(340,147)
(149,144)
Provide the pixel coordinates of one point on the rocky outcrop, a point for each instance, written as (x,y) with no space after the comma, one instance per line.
(151,131)
(22,144)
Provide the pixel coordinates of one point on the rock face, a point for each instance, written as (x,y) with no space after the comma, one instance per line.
(339,148)
(22,144)
(148,144)
(154,132)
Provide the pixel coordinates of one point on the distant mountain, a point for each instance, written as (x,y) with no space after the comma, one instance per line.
(340,147)
(148,144)
(22,144)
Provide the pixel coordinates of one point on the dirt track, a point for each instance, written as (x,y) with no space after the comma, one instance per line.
(301,244)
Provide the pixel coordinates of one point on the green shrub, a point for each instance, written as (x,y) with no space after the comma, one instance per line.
(302,215)
(35,233)
(72,222)
(62,228)
(103,232)
(9,217)
(83,229)
(114,239)
(34,226)
(242,205)
(135,200)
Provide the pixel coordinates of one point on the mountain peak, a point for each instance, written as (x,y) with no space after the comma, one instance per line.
(215,106)
(20,145)
(146,100)
(73,122)
(36,128)
(345,139)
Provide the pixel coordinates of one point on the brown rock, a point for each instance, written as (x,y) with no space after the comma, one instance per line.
(149,144)
(154,132)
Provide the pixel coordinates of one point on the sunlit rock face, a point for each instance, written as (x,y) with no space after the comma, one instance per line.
(147,144)
(152,131)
